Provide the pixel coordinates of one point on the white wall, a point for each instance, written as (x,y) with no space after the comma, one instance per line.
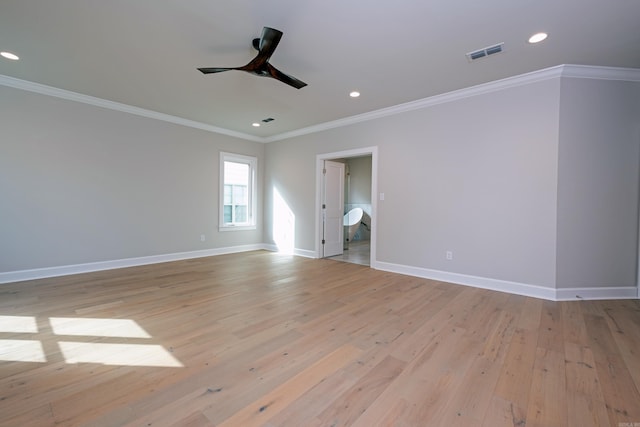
(599,158)
(476,176)
(82,184)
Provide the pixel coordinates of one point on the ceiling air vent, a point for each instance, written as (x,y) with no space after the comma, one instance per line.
(268,119)
(481,53)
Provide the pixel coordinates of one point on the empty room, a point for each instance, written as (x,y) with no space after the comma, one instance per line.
(281,213)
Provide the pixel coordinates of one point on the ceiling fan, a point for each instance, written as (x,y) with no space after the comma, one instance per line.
(265,45)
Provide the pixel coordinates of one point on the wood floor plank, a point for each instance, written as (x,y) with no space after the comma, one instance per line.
(620,393)
(430,380)
(547,399)
(470,403)
(72,409)
(531,314)
(623,319)
(504,413)
(574,329)
(215,387)
(311,403)
(352,403)
(277,341)
(586,412)
(585,400)
(514,383)
(551,334)
(392,416)
(260,411)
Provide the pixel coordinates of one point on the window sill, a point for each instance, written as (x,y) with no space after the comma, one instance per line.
(236,227)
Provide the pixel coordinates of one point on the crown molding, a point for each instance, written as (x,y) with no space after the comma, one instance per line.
(601,73)
(125,108)
(570,71)
(522,79)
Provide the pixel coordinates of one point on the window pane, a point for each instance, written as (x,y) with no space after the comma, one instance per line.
(228,194)
(241,213)
(236,173)
(227,214)
(240,194)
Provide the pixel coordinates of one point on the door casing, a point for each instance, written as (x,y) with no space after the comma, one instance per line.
(358,152)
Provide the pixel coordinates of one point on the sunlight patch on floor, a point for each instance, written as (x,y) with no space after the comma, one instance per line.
(118,354)
(21,351)
(78,326)
(18,324)
(21,340)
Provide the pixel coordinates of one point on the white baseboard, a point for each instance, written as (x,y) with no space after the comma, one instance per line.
(65,270)
(298,252)
(305,253)
(552,294)
(576,294)
(270,247)
(474,281)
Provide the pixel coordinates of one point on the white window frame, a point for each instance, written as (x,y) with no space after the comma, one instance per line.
(251,209)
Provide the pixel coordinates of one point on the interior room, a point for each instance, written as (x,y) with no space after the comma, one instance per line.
(289,213)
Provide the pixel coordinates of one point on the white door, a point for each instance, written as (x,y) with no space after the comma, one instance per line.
(332,208)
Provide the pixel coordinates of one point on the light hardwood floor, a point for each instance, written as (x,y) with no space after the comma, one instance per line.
(261,339)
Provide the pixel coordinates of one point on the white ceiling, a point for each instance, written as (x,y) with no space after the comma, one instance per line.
(144,53)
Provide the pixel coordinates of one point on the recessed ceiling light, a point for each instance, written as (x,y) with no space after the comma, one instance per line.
(10,55)
(537,38)
(354,94)
(255,125)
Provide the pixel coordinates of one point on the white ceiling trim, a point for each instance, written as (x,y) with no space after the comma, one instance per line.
(484,88)
(601,73)
(99,102)
(572,71)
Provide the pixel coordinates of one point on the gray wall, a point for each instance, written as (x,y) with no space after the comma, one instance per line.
(477,176)
(598,183)
(360,181)
(535,184)
(82,184)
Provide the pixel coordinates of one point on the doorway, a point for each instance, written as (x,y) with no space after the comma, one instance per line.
(361,252)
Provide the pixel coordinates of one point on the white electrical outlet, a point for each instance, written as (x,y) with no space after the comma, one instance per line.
(448,255)
(202,238)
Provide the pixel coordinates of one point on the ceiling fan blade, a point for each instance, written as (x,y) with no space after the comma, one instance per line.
(266,45)
(214,70)
(269,41)
(284,78)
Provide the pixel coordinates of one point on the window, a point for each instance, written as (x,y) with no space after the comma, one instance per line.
(237,191)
